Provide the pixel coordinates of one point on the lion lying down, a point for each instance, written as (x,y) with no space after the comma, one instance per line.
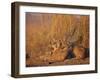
(59,54)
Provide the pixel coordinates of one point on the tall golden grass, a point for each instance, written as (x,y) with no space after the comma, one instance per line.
(44,29)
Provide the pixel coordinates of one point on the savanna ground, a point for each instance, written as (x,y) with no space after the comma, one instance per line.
(56,39)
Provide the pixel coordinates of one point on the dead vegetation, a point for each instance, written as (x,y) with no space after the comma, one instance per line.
(55,39)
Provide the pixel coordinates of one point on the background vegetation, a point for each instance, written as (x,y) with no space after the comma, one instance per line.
(47,31)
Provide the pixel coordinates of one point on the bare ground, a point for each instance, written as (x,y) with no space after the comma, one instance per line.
(72,61)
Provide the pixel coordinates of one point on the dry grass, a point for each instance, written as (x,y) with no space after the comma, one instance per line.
(49,36)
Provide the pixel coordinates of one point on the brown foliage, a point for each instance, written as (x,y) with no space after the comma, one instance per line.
(48,36)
